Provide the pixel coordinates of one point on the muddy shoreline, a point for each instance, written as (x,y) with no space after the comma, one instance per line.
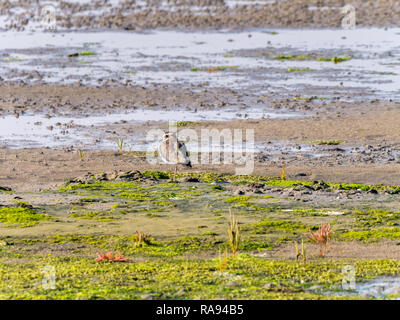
(367,150)
(203,14)
(40,169)
(64,100)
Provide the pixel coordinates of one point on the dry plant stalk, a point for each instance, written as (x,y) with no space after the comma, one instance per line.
(81,155)
(283,172)
(141,239)
(301,254)
(120,144)
(321,237)
(233,232)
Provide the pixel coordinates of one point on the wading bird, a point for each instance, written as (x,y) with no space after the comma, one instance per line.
(173,151)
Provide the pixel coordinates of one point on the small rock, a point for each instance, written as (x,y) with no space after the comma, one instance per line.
(130,176)
(147,297)
(192,179)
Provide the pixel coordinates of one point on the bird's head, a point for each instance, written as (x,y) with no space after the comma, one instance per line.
(168,135)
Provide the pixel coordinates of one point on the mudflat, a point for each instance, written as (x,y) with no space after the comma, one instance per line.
(85,214)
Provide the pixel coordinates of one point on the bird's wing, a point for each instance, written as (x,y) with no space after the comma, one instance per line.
(169,151)
(183,153)
(162,152)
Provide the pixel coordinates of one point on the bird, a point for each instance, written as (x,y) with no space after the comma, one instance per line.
(173,151)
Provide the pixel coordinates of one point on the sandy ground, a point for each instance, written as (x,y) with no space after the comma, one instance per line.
(370,128)
(39,169)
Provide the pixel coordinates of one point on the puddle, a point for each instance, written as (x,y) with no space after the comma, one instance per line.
(284,151)
(40,131)
(380,288)
(333,213)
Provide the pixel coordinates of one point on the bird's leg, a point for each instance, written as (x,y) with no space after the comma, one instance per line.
(176,169)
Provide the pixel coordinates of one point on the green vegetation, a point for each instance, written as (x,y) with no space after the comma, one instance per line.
(333,142)
(244,277)
(120,144)
(271,32)
(20,217)
(296,57)
(12,59)
(157,174)
(209,177)
(309,98)
(87,53)
(215,69)
(91,215)
(174,235)
(313,57)
(185,123)
(291,69)
(335,59)
(83,53)
(267,226)
(373,235)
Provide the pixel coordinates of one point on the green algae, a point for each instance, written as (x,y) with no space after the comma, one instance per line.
(83,53)
(294,57)
(98,216)
(333,142)
(376,217)
(309,98)
(256,278)
(157,174)
(215,69)
(392,233)
(308,57)
(272,225)
(21,217)
(335,59)
(180,124)
(292,69)
(191,255)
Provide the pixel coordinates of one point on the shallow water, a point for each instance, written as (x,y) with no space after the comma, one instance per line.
(169,57)
(40,131)
(380,288)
